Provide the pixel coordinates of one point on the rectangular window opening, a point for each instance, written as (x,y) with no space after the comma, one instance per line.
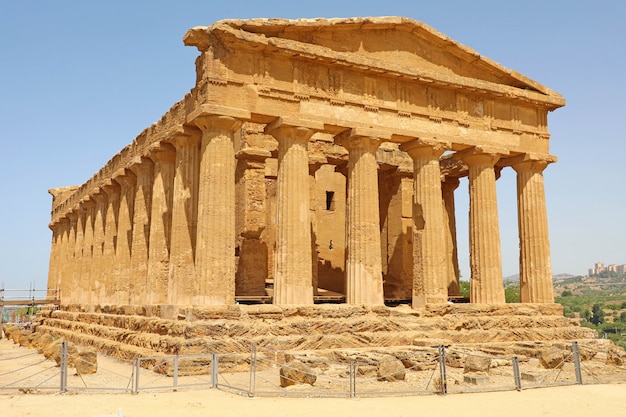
(330,200)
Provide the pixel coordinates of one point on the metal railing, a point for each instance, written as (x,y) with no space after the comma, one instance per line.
(351,374)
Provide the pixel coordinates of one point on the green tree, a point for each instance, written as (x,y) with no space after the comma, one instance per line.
(597,314)
(566,293)
(622,317)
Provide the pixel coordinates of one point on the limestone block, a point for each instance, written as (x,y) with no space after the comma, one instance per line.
(296,373)
(616,357)
(421,361)
(476,379)
(391,369)
(477,364)
(552,359)
(85,361)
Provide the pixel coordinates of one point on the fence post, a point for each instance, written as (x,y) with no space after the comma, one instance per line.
(442,370)
(175,382)
(64,363)
(137,368)
(353,371)
(252,386)
(214,369)
(579,376)
(516,374)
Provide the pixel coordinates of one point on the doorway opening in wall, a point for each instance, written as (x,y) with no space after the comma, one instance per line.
(330,200)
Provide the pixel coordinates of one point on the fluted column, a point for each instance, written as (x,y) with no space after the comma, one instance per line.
(97,264)
(143,169)
(69,279)
(74,291)
(215,241)
(57,249)
(447,190)
(293,277)
(364,283)
(107,290)
(184,214)
(84,285)
(163,155)
(485,257)
(535,269)
(430,281)
(123,274)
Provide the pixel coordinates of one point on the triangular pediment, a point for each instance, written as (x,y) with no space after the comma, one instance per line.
(397,43)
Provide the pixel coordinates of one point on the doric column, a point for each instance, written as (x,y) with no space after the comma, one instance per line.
(59,230)
(107,290)
(123,274)
(184,214)
(74,291)
(535,269)
(215,240)
(485,258)
(364,283)
(293,278)
(143,169)
(69,269)
(430,281)
(163,155)
(447,189)
(84,285)
(98,265)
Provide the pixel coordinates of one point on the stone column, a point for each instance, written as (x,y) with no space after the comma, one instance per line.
(447,189)
(107,290)
(163,155)
(56,252)
(293,277)
(123,273)
(77,264)
(364,283)
(98,265)
(69,276)
(215,241)
(430,281)
(84,285)
(485,258)
(535,269)
(143,169)
(184,214)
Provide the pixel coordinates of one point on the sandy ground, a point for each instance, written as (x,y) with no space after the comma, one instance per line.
(571,401)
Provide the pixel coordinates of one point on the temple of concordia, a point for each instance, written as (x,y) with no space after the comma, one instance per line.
(315,160)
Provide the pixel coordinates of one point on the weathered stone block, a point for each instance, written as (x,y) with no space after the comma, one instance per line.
(86,362)
(474,364)
(553,359)
(391,369)
(296,373)
(476,379)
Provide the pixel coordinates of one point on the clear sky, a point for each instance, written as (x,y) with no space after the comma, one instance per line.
(80,79)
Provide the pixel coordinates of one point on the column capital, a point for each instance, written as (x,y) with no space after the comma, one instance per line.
(530,161)
(141,165)
(366,138)
(162,151)
(87,203)
(419,148)
(298,129)
(124,176)
(207,122)
(99,195)
(477,155)
(184,136)
(111,187)
(212,110)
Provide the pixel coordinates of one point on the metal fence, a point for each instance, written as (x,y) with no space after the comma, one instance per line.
(348,373)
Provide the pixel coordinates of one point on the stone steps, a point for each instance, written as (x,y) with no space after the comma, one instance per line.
(236,328)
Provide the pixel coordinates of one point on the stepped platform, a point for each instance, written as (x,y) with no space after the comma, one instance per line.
(140,331)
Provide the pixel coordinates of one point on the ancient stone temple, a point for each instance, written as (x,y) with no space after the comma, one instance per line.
(314,160)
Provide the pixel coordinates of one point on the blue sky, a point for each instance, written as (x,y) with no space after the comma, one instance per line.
(80,79)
